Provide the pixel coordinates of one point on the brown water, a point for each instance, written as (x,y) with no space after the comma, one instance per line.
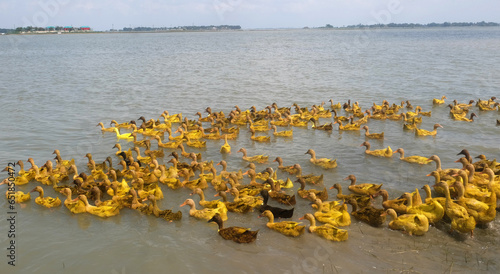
(57,88)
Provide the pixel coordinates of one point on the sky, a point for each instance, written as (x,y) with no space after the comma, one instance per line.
(249,14)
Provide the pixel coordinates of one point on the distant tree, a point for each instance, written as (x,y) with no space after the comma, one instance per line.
(328,26)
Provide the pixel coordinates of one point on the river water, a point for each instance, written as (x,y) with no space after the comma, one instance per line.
(56,88)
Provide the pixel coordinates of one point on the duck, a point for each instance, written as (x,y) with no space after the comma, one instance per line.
(279,196)
(348,126)
(445,174)
(339,118)
(211,204)
(18,196)
(423,132)
(362,200)
(259,138)
(105,129)
(257,158)
(412,159)
(66,163)
(302,192)
(399,204)
(284,133)
(335,106)
(482,212)
(238,207)
(75,206)
(290,169)
(205,213)
(122,125)
(413,224)
(372,135)
(362,189)
(47,202)
(463,118)
(386,152)
(369,214)
(288,228)
(195,143)
(322,162)
(461,221)
(168,144)
(252,201)
(167,214)
(126,136)
(432,209)
(309,178)
(225,148)
(103,211)
(326,231)
(439,101)
(277,212)
(335,215)
(235,233)
(315,125)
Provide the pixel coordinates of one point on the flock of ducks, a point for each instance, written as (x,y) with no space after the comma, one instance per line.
(467,195)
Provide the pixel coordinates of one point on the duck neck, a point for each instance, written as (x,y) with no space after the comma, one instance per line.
(271,218)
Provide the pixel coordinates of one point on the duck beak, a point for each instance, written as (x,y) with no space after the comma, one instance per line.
(332,187)
(183,204)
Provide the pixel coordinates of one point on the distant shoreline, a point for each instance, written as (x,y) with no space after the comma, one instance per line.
(327,27)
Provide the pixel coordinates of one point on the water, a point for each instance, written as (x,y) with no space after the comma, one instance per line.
(56,88)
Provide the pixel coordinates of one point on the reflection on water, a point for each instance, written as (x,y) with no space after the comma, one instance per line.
(58,88)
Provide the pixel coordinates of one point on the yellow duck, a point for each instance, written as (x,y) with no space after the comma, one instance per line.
(225,148)
(205,213)
(463,118)
(386,152)
(439,101)
(288,228)
(326,231)
(169,144)
(19,196)
(104,129)
(309,178)
(433,210)
(195,143)
(126,136)
(460,218)
(302,192)
(372,135)
(412,159)
(322,162)
(335,106)
(75,206)
(235,233)
(362,189)
(423,132)
(336,216)
(290,169)
(48,202)
(482,212)
(259,138)
(257,158)
(413,224)
(103,211)
(348,126)
(399,204)
(285,133)
(215,204)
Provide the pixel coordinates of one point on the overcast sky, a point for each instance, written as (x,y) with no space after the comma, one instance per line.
(104,14)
